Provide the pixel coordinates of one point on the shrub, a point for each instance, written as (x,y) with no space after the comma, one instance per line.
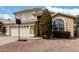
(61,34)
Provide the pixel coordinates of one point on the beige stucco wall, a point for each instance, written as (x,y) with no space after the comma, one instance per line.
(69,23)
(8,30)
(27,15)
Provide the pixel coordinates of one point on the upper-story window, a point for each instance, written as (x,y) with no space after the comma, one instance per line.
(58,25)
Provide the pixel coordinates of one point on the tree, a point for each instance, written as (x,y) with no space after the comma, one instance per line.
(76,21)
(45,24)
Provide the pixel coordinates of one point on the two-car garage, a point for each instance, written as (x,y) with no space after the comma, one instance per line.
(25,30)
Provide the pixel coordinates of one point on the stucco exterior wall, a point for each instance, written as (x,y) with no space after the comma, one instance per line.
(27,15)
(8,32)
(69,23)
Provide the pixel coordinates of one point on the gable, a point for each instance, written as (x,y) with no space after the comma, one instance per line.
(64,15)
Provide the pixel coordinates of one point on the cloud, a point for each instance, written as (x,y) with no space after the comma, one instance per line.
(74,11)
(7,16)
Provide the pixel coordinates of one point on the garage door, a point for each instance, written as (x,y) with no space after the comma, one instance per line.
(24,31)
(14,31)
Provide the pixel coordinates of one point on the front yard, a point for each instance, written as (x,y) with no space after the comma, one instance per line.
(42,45)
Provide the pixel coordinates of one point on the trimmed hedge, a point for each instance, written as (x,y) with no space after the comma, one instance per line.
(61,34)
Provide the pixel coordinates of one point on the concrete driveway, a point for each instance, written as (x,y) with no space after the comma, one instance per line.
(7,39)
(42,45)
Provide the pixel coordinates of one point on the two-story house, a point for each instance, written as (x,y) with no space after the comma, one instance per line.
(30,19)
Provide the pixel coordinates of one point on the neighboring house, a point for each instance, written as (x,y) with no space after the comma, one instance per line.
(5,23)
(30,21)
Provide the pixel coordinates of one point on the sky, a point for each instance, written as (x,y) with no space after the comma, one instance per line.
(7,11)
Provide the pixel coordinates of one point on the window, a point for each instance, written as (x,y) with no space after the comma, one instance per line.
(24,26)
(27,26)
(58,25)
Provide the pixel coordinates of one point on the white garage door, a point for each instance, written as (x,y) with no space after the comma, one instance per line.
(14,31)
(24,31)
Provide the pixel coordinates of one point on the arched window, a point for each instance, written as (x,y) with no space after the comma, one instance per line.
(58,25)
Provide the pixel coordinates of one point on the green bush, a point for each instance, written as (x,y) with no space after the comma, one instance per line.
(61,34)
